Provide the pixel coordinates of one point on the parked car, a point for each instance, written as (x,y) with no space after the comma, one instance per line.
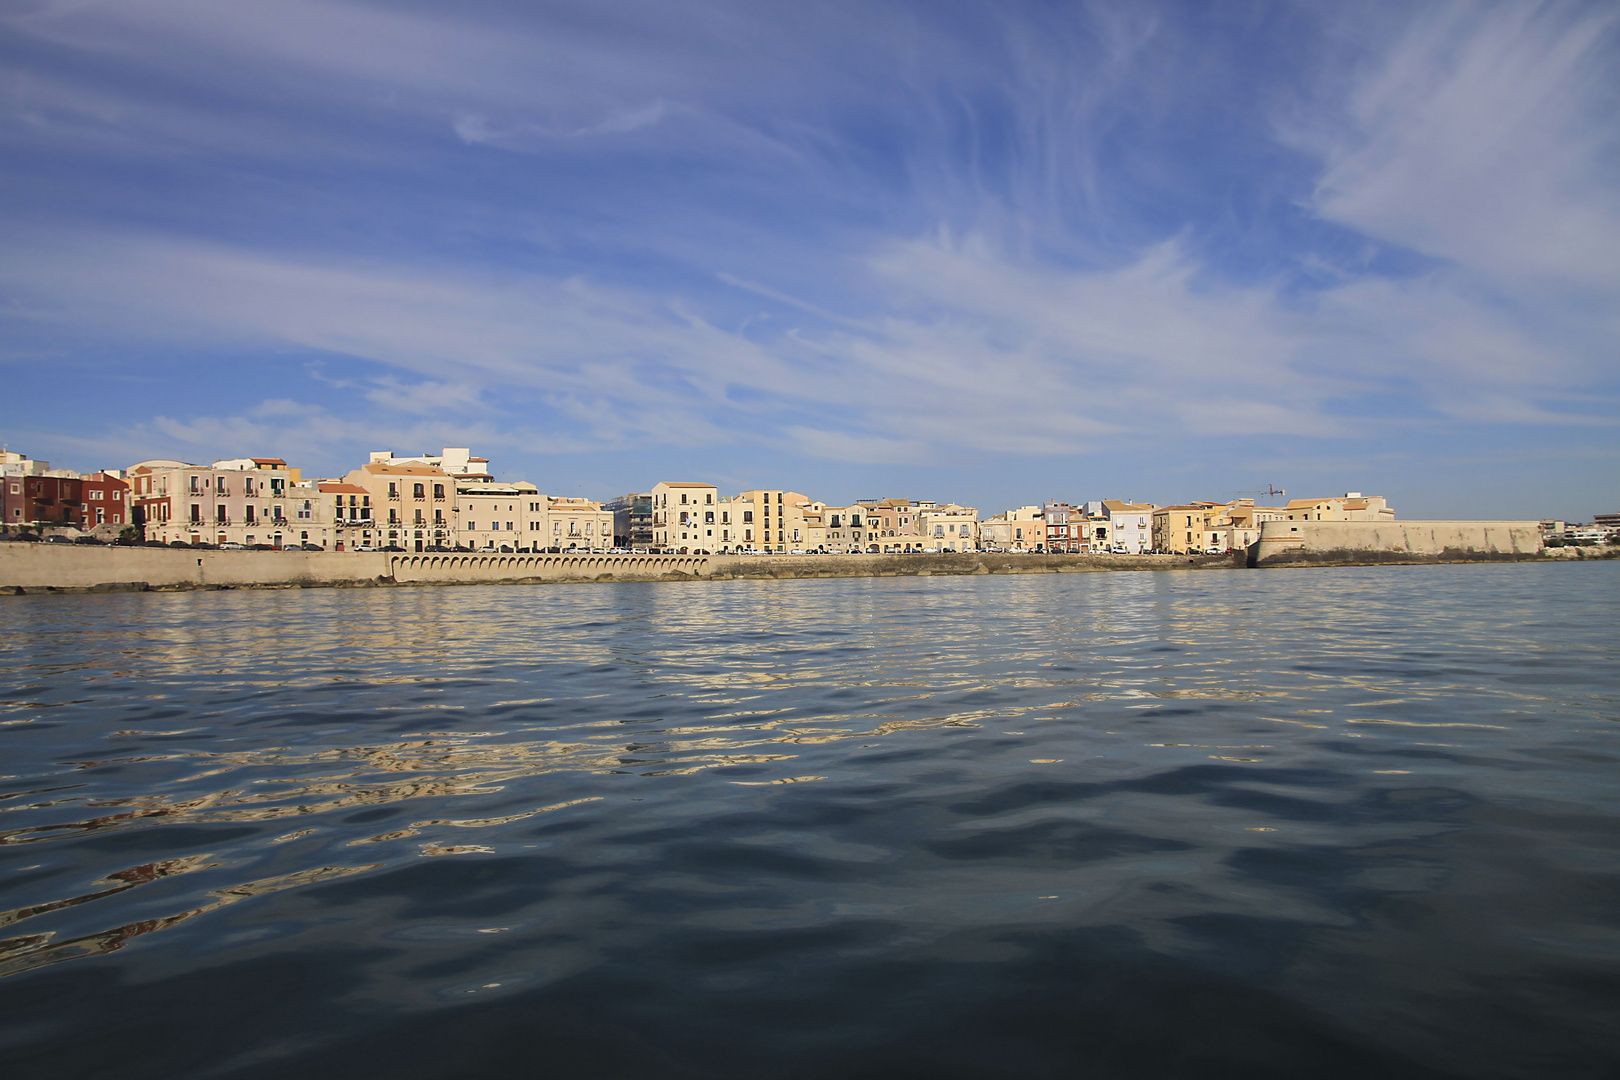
(87,540)
(393,547)
(230,545)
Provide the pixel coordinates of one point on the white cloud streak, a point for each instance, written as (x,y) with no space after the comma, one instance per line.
(1480,137)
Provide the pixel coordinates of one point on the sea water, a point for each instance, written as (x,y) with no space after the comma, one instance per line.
(1285,823)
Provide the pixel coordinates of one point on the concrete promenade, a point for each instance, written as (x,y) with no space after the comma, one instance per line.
(62,567)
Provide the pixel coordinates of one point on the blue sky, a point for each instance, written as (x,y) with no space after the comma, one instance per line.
(996,253)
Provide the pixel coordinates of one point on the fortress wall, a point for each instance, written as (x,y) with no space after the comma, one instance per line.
(75,566)
(65,566)
(1304,542)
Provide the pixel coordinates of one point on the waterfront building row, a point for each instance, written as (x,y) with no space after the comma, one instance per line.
(451,500)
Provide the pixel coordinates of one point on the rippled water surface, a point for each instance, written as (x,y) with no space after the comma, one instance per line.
(1318,823)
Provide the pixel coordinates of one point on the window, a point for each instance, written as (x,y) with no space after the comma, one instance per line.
(472,526)
(393,490)
(709,498)
(683,499)
(939,530)
(247,514)
(97,495)
(589,524)
(418,491)
(556,528)
(534,526)
(708,518)
(219,515)
(748,517)
(725,517)
(438,491)
(306,510)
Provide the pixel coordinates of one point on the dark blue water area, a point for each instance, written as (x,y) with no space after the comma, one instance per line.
(1316,823)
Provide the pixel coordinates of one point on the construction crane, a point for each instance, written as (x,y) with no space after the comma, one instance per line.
(1269,492)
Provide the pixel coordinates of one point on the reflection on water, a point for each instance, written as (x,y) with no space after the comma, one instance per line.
(1326,821)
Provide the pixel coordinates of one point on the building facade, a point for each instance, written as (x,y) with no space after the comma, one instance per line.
(1353,506)
(247,501)
(632,520)
(43,500)
(414,505)
(104,501)
(1065,527)
(1129,526)
(949,527)
(685,516)
(493,517)
(457,461)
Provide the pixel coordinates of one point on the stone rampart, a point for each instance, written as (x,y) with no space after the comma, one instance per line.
(31,567)
(75,566)
(1304,543)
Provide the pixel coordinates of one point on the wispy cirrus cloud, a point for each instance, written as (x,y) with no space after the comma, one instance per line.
(877,233)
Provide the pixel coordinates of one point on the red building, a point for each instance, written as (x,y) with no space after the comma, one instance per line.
(43,500)
(104,501)
(82,502)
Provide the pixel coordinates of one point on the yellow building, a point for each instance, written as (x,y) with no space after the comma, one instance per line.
(1179,529)
(414,505)
(578,524)
(1353,506)
(494,516)
(949,527)
(685,516)
(781,525)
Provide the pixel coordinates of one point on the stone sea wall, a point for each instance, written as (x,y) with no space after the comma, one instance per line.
(1308,543)
(63,567)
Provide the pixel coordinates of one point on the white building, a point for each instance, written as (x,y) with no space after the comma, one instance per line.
(455,461)
(1129,526)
